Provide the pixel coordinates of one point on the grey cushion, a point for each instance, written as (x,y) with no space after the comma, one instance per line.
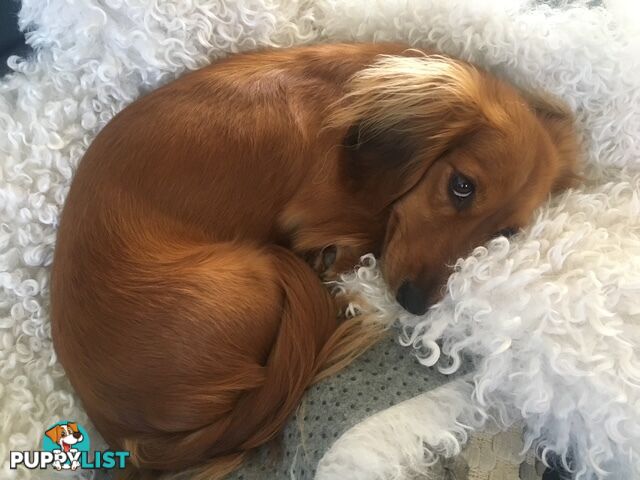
(384,376)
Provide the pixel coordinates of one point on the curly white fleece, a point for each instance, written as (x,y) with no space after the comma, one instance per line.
(552,321)
(551,315)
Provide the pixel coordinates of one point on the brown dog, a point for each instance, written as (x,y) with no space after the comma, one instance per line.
(183,311)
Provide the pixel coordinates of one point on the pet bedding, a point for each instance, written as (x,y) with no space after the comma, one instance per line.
(550,319)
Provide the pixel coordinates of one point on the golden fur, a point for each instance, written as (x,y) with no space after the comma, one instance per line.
(187,308)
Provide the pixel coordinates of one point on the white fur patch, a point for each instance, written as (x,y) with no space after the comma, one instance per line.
(405,439)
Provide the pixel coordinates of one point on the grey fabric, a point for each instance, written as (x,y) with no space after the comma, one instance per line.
(384,376)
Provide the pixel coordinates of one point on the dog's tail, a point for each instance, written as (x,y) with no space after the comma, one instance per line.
(253,393)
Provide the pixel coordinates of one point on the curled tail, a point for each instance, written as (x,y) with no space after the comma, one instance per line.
(255,385)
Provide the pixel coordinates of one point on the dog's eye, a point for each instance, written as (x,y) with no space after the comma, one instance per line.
(461,189)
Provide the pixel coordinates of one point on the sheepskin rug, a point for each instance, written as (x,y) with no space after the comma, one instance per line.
(551,318)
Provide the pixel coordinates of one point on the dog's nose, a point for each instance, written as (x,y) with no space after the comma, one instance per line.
(77,435)
(412,298)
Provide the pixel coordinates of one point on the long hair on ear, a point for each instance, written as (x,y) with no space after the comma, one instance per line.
(430,96)
(557,119)
(401,113)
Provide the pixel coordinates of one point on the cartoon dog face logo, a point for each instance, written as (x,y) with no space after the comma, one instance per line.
(65,435)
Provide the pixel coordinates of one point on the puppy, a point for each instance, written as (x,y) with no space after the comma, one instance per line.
(185,308)
(66,436)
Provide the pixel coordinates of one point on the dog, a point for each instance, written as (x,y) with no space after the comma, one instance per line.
(187,303)
(66,436)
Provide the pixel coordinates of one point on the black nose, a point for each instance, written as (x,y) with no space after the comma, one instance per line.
(77,435)
(412,298)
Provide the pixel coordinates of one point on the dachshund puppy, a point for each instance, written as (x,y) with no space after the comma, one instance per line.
(186,309)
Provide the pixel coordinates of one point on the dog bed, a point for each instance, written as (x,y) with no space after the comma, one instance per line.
(549,321)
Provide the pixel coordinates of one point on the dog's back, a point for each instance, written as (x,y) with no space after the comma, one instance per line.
(183,322)
(183,311)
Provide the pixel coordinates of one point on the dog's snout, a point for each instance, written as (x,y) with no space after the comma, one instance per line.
(77,435)
(412,298)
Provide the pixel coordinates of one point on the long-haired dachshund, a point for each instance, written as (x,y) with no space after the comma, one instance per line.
(187,308)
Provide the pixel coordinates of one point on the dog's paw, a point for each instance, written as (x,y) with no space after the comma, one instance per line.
(323,260)
(333,260)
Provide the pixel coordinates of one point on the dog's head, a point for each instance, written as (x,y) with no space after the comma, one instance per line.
(67,433)
(457,156)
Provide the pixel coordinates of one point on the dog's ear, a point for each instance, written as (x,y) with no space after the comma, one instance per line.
(73,426)
(558,121)
(400,114)
(386,164)
(54,433)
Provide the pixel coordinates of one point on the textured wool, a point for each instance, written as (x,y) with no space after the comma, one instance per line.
(552,317)
(552,320)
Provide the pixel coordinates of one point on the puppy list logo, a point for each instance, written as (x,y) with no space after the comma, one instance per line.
(65,446)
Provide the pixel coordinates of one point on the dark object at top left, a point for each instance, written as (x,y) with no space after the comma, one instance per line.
(11,39)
